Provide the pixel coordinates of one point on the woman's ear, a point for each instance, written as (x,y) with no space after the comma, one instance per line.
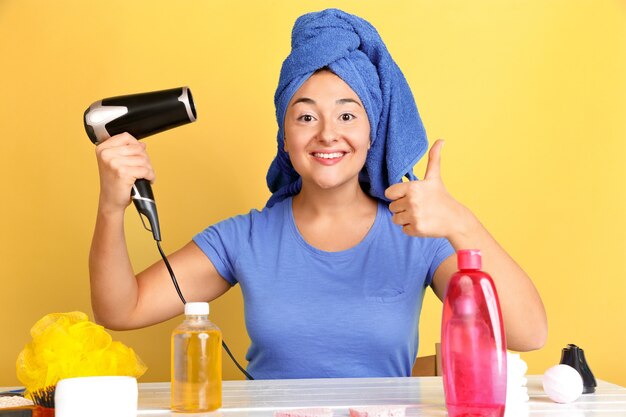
(285,144)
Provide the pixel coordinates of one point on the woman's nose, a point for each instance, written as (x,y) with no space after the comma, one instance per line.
(327,133)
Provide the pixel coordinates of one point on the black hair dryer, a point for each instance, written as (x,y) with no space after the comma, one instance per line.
(141,115)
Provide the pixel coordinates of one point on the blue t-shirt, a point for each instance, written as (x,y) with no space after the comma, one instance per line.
(316,314)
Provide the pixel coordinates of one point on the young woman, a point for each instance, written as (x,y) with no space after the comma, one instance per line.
(333,270)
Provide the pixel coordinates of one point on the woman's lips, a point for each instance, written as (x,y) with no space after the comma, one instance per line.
(328,158)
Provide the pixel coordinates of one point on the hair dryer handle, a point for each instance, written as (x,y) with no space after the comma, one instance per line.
(146,206)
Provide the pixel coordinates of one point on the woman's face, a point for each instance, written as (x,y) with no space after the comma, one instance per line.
(327,132)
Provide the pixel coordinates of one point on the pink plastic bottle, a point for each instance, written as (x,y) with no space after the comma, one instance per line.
(473,344)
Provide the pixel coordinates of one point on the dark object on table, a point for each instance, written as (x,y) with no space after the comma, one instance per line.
(574,356)
(28,411)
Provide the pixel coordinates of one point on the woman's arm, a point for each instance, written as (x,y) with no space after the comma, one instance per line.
(523,313)
(426,209)
(119,299)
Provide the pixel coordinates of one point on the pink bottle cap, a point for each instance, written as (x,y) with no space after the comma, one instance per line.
(469,259)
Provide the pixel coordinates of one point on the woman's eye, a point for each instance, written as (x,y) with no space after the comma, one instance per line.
(306,118)
(346,117)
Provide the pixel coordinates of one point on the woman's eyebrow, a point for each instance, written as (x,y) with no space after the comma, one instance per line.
(303,100)
(311,101)
(348,100)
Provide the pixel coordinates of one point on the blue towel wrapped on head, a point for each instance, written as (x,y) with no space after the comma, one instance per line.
(351,48)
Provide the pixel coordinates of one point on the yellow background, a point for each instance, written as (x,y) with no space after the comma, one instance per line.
(530,96)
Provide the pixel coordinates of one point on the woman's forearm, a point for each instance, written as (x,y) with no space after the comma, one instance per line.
(523,312)
(113,283)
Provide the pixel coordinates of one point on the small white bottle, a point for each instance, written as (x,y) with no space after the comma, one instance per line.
(196,362)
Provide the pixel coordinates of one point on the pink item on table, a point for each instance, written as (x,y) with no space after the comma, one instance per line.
(305,412)
(473,345)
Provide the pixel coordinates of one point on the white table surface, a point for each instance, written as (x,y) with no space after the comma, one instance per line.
(423,396)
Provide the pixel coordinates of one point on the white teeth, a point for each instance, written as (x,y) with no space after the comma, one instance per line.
(328,155)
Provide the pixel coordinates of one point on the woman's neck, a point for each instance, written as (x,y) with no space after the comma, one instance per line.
(334,220)
(316,202)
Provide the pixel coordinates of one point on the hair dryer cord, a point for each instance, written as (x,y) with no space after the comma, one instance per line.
(171,271)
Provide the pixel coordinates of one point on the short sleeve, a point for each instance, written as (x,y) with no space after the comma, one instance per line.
(441,250)
(224,242)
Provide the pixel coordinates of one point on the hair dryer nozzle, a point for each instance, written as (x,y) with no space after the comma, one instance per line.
(141,115)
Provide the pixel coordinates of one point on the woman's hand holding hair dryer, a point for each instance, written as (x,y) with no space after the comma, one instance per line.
(122,160)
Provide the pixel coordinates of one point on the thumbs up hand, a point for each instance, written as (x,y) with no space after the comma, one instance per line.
(425,208)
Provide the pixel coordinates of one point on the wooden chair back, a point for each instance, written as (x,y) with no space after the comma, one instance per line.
(428,365)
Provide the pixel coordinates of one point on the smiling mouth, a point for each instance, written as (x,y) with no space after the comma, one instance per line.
(331,155)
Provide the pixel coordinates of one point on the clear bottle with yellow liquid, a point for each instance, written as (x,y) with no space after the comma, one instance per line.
(196,362)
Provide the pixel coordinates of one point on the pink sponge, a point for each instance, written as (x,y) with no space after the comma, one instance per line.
(378,411)
(305,412)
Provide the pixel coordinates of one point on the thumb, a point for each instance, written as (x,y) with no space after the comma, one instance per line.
(433,169)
